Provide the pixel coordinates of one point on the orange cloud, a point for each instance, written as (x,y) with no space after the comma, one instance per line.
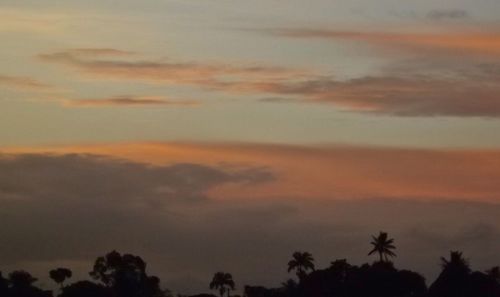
(334,172)
(129,101)
(22,83)
(96,52)
(207,75)
(21,20)
(469,94)
(447,43)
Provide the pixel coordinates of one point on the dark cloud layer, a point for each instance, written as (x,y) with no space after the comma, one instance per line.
(72,208)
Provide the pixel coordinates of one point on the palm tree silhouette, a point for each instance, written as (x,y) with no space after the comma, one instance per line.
(301,262)
(457,263)
(455,278)
(223,282)
(383,246)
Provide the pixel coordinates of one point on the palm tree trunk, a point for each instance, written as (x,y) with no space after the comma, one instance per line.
(380,255)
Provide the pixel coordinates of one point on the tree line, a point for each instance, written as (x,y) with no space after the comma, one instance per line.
(124,275)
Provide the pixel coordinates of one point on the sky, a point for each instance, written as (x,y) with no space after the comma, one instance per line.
(208,135)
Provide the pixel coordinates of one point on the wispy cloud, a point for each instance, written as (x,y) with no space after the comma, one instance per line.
(402,96)
(130,101)
(23,83)
(454,43)
(465,94)
(450,14)
(24,20)
(96,52)
(209,75)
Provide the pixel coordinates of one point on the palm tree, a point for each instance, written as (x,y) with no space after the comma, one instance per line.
(383,246)
(59,275)
(457,263)
(301,262)
(223,282)
(454,279)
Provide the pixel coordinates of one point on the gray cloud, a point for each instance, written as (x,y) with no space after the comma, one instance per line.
(450,14)
(69,202)
(91,179)
(401,96)
(433,15)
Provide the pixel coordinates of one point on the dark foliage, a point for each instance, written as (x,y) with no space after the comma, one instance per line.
(457,280)
(59,275)
(125,276)
(223,282)
(118,275)
(85,289)
(21,285)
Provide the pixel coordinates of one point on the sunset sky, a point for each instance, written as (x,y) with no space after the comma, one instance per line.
(208,135)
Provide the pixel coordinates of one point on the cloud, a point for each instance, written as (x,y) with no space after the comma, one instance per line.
(330,172)
(128,101)
(401,96)
(449,43)
(70,208)
(188,73)
(452,14)
(467,94)
(21,20)
(23,83)
(92,178)
(98,52)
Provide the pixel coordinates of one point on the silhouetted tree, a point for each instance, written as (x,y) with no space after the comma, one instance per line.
(410,284)
(259,291)
(301,262)
(59,275)
(85,289)
(453,279)
(383,246)
(21,279)
(456,264)
(481,284)
(494,273)
(223,282)
(290,288)
(126,275)
(381,279)
(4,285)
(21,285)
